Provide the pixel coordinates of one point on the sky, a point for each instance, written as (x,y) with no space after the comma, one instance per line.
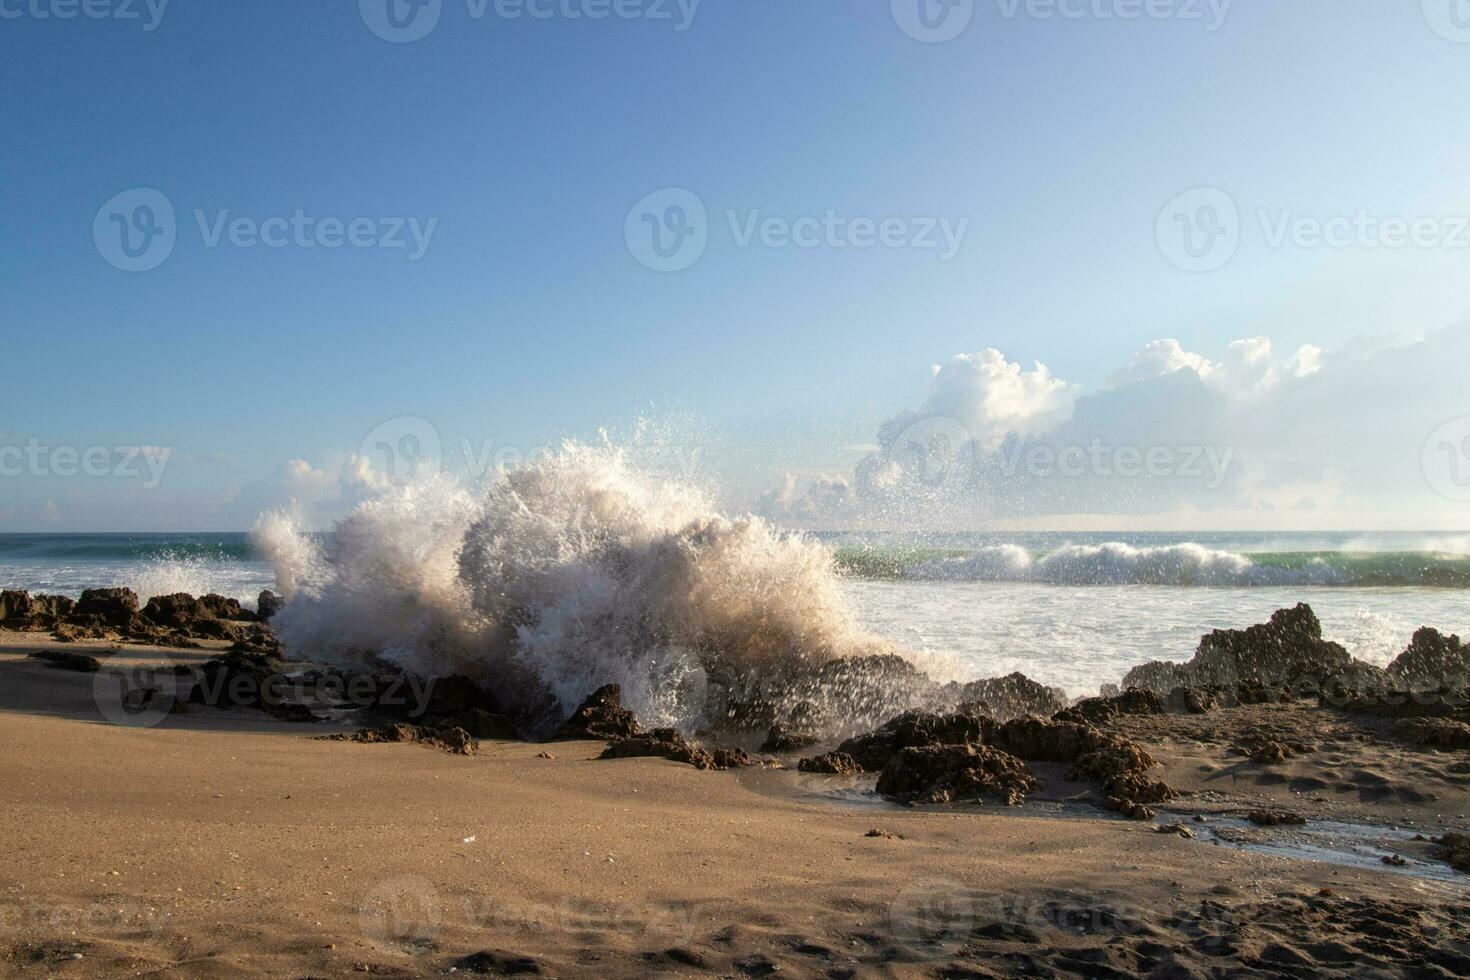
(249,243)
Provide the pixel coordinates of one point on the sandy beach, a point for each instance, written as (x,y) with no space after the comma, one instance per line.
(226,843)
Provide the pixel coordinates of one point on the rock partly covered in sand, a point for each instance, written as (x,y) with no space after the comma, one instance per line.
(601,716)
(69,661)
(873,750)
(453,740)
(668,743)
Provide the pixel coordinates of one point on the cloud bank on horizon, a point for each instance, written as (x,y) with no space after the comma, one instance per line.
(1370,433)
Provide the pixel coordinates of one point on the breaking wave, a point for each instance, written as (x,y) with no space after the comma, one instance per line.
(573,571)
(1115,563)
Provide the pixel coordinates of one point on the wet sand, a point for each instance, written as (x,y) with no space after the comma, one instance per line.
(225,843)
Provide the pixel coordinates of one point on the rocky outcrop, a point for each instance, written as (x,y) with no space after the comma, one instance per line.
(954,773)
(1434,733)
(1139,701)
(267,605)
(788,738)
(112,609)
(832,763)
(19,610)
(1288,651)
(873,750)
(1012,696)
(668,743)
(1431,657)
(601,716)
(245,680)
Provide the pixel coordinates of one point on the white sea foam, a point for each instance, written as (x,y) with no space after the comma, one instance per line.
(568,573)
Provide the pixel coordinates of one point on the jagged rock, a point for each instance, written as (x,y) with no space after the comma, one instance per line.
(948,773)
(1116,763)
(873,750)
(176,611)
(1270,749)
(497,962)
(783,738)
(601,716)
(69,661)
(835,763)
(668,743)
(453,740)
(1013,696)
(115,609)
(1287,651)
(19,610)
(267,605)
(223,607)
(1432,657)
(1138,701)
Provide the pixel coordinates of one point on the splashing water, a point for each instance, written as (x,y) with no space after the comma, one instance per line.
(573,571)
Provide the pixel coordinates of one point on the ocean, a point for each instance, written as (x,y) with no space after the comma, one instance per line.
(1071,610)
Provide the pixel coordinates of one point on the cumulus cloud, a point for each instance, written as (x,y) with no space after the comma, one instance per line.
(1247,431)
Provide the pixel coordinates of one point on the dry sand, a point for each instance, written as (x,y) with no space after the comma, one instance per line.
(223,843)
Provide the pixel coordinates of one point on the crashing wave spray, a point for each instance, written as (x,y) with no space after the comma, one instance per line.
(573,571)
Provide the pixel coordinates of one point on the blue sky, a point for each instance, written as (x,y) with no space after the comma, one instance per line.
(527,141)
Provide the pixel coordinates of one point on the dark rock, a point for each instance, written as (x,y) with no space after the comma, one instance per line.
(247,680)
(873,750)
(223,607)
(601,716)
(1138,701)
(176,611)
(1014,696)
(1434,658)
(838,763)
(19,610)
(668,743)
(685,957)
(115,609)
(455,741)
(267,605)
(1435,733)
(782,738)
(1455,849)
(497,963)
(69,661)
(480,724)
(948,773)
(1284,652)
